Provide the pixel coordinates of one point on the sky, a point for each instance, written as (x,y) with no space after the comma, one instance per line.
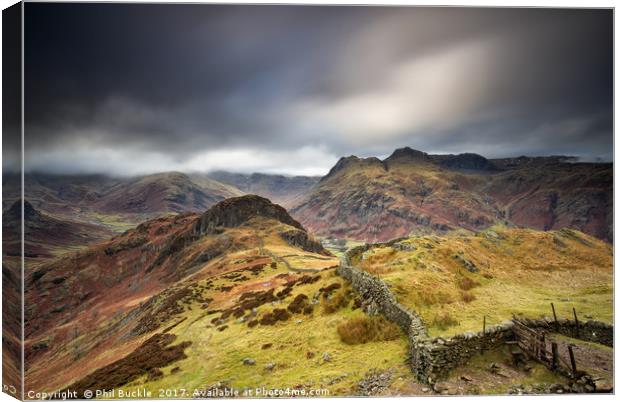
(135,89)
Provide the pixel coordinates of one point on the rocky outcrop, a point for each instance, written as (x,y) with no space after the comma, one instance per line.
(14,213)
(374,383)
(300,238)
(406,154)
(236,211)
(352,161)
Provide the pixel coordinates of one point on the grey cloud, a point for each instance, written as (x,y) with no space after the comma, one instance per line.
(163,86)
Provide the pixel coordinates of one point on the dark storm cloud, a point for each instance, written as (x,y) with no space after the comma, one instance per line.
(131,88)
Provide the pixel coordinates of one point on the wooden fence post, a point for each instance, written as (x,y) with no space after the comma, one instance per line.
(554,355)
(484,330)
(576,321)
(572,361)
(555,318)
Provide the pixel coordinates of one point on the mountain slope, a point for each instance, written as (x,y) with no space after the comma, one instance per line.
(283,190)
(58,194)
(164,192)
(370,199)
(156,193)
(555,195)
(45,235)
(113,295)
(411,191)
(116,203)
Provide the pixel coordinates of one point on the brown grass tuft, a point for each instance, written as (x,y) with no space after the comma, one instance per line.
(467,283)
(444,320)
(276,315)
(467,297)
(337,301)
(154,374)
(298,304)
(368,329)
(429,297)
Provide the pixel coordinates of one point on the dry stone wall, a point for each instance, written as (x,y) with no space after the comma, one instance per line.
(434,358)
(377,298)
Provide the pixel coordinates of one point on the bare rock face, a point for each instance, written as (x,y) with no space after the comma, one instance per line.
(300,238)
(236,211)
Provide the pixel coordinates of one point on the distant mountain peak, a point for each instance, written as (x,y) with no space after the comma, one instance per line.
(345,161)
(280,188)
(407,152)
(236,211)
(406,155)
(352,160)
(14,213)
(467,161)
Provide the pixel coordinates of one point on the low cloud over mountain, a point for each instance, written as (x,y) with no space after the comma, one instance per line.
(289,89)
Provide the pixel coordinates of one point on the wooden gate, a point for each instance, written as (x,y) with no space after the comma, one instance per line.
(534,343)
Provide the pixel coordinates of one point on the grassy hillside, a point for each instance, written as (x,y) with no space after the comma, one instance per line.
(304,351)
(453,281)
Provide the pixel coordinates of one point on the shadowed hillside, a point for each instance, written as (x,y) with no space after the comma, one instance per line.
(283,190)
(44,235)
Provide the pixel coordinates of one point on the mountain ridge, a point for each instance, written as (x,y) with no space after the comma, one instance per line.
(375,200)
(280,189)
